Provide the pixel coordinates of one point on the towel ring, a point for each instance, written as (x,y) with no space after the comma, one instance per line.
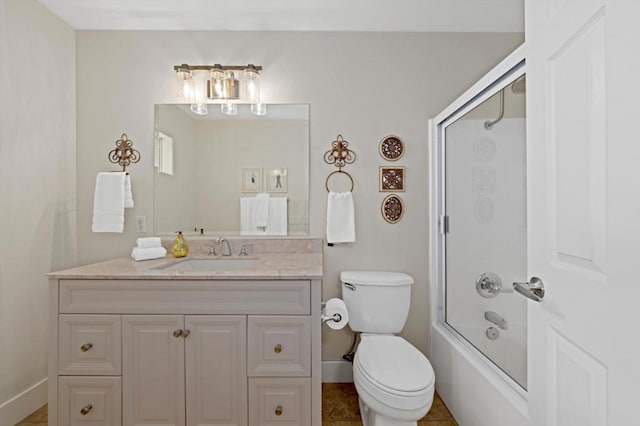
(339,171)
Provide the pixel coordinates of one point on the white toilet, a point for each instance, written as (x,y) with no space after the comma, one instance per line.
(394,380)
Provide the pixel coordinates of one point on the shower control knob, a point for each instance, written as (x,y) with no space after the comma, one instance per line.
(489,284)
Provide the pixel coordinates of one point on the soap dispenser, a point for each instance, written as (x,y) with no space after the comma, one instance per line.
(180,247)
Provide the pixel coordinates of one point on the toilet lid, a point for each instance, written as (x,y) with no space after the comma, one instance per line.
(394,364)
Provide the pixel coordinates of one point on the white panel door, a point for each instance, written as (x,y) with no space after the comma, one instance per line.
(216,370)
(584,210)
(153,370)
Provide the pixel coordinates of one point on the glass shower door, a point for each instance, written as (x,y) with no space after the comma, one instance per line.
(486,231)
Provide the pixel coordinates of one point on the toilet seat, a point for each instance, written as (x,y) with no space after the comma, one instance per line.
(394,372)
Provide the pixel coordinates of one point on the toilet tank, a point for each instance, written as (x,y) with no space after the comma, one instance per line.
(377,301)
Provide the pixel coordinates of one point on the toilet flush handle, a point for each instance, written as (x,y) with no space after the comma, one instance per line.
(350,286)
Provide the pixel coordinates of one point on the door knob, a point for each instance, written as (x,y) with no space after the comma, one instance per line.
(534,289)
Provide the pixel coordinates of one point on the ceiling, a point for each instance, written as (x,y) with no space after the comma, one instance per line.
(293,15)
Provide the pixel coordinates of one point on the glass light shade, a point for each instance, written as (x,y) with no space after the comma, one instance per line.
(186,84)
(200,109)
(251,85)
(229,108)
(259,109)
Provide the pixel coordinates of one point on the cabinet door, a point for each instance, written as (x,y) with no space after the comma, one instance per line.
(216,384)
(153,370)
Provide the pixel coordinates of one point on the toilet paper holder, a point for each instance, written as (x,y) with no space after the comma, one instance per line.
(335,317)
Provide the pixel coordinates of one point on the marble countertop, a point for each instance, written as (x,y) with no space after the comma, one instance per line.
(266,266)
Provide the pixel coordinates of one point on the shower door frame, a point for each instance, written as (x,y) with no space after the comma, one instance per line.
(498,78)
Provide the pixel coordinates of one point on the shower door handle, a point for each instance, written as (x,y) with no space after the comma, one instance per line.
(534,289)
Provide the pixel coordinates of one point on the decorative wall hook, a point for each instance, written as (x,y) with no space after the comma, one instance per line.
(339,155)
(124,154)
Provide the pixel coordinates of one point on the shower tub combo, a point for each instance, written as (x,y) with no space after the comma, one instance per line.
(479,249)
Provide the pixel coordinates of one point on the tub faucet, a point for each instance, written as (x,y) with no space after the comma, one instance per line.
(225,247)
(497,319)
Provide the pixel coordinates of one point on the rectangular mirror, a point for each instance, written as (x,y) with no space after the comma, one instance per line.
(220,162)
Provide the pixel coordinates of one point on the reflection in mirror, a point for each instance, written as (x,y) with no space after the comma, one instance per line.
(220,162)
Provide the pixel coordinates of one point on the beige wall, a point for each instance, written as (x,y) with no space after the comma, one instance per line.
(37,184)
(361,85)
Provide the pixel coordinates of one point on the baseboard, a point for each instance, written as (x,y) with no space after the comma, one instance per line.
(337,372)
(23,404)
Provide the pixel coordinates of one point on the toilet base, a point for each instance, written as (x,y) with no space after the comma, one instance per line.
(371,418)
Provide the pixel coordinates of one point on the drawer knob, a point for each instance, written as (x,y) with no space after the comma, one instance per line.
(86,347)
(277,349)
(85,410)
(186,333)
(279,410)
(177,333)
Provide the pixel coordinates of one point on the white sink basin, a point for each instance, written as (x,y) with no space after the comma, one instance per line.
(210,264)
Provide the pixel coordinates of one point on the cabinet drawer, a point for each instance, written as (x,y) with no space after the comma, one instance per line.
(282,402)
(261,297)
(89,345)
(89,400)
(279,346)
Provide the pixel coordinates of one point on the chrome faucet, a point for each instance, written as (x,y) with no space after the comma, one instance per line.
(225,247)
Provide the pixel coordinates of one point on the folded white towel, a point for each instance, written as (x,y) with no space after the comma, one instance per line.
(108,202)
(149,242)
(341,224)
(148,253)
(260,210)
(128,196)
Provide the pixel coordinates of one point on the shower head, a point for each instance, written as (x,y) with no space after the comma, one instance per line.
(519,86)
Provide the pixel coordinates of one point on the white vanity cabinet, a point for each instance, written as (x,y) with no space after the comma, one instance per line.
(139,352)
(177,368)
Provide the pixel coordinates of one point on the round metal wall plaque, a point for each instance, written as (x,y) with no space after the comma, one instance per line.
(391,148)
(392,208)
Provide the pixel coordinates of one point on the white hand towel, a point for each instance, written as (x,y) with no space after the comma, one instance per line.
(247,218)
(108,202)
(149,242)
(260,210)
(341,224)
(277,216)
(148,253)
(128,195)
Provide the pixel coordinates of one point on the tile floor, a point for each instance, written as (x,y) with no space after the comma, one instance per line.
(339,408)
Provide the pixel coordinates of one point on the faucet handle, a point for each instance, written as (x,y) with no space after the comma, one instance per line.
(244,250)
(212,250)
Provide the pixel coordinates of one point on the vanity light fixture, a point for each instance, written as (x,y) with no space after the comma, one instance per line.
(199,84)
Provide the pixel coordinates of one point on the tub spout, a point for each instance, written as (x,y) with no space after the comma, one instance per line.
(496,319)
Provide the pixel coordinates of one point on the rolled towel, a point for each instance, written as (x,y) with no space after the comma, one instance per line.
(149,242)
(148,253)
